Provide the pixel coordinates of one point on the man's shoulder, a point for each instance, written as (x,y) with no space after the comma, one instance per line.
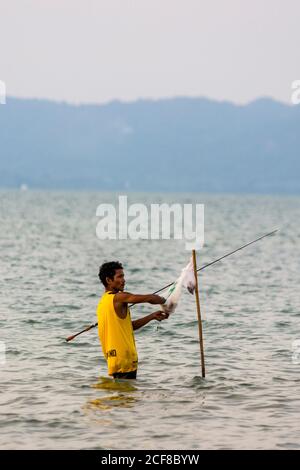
(120,297)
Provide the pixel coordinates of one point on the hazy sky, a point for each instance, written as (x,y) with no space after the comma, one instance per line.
(99,50)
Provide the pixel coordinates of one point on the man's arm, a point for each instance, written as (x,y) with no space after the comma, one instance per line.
(128,298)
(159,316)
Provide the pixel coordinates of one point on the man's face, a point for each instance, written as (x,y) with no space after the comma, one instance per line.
(118,282)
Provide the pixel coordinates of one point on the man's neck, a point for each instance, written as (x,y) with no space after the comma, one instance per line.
(115,291)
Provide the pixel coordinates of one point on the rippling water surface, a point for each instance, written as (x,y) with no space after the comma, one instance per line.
(56,395)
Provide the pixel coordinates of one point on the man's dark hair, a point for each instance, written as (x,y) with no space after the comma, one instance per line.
(108,270)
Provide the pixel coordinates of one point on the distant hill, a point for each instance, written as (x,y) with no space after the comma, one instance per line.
(180,144)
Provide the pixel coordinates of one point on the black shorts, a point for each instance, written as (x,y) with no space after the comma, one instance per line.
(125,375)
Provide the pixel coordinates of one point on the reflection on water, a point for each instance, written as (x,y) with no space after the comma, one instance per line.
(122,385)
(121,396)
(110,402)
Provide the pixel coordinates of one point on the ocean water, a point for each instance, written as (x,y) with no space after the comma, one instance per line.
(57,395)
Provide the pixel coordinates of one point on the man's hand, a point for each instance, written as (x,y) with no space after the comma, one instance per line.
(159,316)
(168,307)
(158,299)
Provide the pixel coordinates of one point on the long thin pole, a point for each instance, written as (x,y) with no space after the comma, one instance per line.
(199,315)
(222,257)
(70,338)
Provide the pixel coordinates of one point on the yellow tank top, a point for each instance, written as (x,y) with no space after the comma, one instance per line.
(116,337)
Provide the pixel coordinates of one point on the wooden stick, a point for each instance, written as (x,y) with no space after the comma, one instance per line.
(199,315)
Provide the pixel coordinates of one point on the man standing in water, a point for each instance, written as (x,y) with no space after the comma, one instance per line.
(114,323)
